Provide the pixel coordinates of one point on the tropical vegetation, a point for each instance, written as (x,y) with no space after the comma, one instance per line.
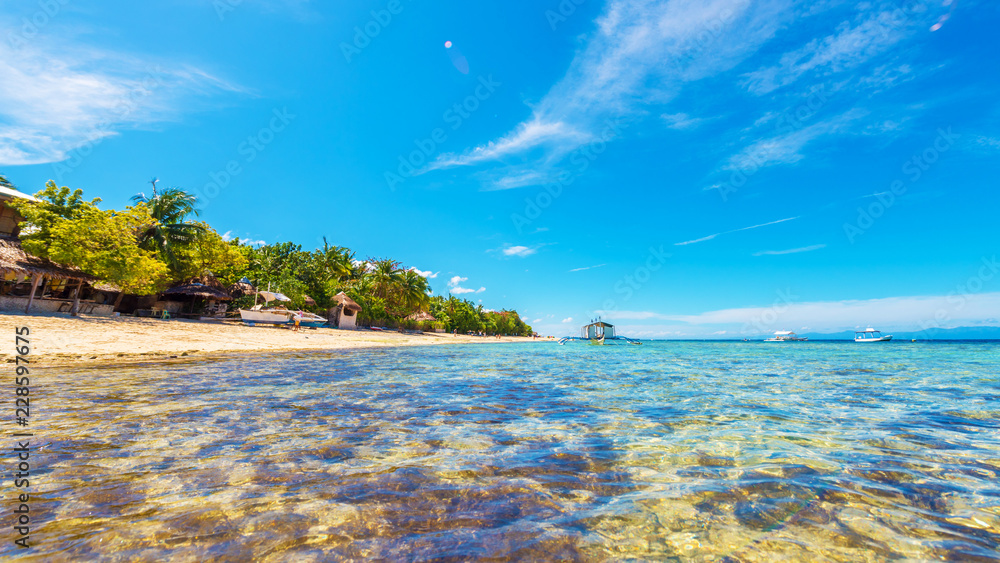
(157,243)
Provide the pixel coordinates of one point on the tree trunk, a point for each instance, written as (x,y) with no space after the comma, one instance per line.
(118,300)
(34,287)
(74,311)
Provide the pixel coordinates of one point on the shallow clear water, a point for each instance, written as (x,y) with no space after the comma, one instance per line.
(668,451)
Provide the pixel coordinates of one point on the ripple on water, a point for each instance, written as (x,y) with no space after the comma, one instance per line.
(680,451)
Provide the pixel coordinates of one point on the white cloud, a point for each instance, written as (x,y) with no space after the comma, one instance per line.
(792,251)
(428,274)
(786,147)
(462,290)
(59,96)
(455,287)
(682,121)
(711,237)
(588,268)
(850,47)
(567,320)
(519,251)
(642,52)
(228,236)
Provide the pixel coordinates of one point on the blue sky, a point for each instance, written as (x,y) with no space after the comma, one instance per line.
(687,168)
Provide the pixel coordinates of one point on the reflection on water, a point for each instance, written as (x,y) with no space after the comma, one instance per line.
(670,451)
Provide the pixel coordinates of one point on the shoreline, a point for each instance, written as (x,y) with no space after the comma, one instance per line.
(80,341)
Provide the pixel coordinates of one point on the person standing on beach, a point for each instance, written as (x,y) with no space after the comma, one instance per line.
(298,319)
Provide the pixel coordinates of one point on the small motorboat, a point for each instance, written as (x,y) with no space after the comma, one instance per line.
(871,335)
(599,333)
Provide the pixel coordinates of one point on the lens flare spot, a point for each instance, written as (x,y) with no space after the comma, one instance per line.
(447,44)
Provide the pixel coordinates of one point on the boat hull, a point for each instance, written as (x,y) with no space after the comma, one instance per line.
(883,339)
(280,318)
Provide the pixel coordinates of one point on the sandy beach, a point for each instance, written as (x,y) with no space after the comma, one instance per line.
(64,340)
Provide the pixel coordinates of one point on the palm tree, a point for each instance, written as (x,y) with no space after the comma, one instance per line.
(170,208)
(385,277)
(335,263)
(5,183)
(413,290)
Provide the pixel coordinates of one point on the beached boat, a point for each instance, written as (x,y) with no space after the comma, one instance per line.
(599,333)
(786,336)
(279,315)
(871,335)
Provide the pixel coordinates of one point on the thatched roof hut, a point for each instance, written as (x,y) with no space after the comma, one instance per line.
(309,301)
(13,259)
(421,316)
(197,290)
(348,303)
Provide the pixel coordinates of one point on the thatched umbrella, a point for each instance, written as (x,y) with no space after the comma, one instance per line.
(198,290)
(421,316)
(242,288)
(309,301)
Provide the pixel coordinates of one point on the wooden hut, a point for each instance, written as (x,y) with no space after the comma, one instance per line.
(34,284)
(345,314)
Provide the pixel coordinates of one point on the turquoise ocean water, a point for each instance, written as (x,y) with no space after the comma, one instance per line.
(675,451)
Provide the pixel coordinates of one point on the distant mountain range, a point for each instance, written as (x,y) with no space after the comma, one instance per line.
(962,333)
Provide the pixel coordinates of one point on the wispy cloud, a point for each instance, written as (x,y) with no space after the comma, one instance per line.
(716,235)
(791,251)
(850,46)
(588,268)
(567,320)
(622,69)
(683,121)
(57,96)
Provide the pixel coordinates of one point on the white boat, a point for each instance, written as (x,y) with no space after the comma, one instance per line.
(786,336)
(871,335)
(599,333)
(279,315)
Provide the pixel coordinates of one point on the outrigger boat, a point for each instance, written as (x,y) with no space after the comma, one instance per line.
(599,333)
(786,336)
(279,315)
(871,335)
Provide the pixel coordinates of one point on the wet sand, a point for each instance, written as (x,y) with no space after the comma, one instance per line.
(60,340)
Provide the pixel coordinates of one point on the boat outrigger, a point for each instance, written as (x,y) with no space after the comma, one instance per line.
(599,333)
(871,335)
(786,336)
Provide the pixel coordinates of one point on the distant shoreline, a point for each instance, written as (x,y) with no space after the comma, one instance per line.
(67,341)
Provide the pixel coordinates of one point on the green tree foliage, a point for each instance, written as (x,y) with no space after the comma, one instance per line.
(465,316)
(208,253)
(5,183)
(68,230)
(56,204)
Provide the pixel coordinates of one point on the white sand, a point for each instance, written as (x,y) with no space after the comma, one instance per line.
(61,340)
